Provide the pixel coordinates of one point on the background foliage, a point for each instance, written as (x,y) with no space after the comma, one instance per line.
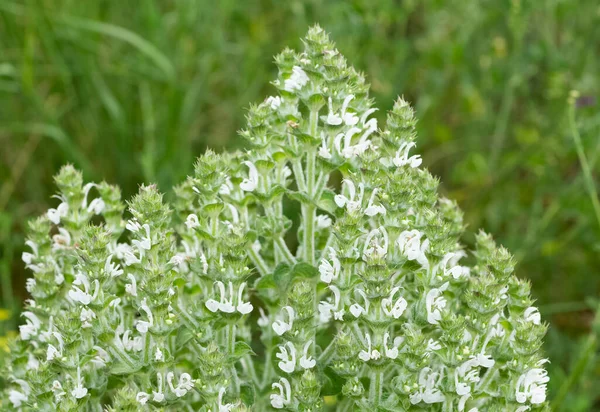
(133,91)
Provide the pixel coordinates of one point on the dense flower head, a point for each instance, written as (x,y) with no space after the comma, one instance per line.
(319,269)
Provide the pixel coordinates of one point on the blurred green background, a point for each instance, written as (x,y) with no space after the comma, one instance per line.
(133,91)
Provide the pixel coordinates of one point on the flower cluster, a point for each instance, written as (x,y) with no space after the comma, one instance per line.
(318,264)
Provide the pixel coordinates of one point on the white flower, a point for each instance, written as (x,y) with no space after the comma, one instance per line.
(226,187)
(392,352)
(391,308)
(158,355)
(532,385)
(427,391)
(111,269)
(131,288)
(142,398)
(370,353)
(250,184)
(324,151)
(306,361)
(30,284)
(62,239)
(142,326)
(274,102)
(352,203)
(224,407)
(450,267)
(80,391)
(133,225)
(224,305)
(146,241)
(532,314)
(349,119)
(86,317)
(297,80)
(32,362)
(83,296)
(185,385)
(192,221)
(376,244)
(373,209)
(96,206)
(16,397)
(330,271)
(57,390)
(435,303)
(284,397)
(243,307)
(433,345)
(158,396)
(350,150)
(409,243)
(54,215)
(263,320)
(287,357)
(402,158)
(31,326)
(358,310)
(326,309)
(323,221)
(280,326)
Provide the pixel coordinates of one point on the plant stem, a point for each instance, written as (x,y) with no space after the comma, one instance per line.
(375,388)
(585,167)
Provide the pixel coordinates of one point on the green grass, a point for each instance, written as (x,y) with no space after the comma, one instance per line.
(133,91)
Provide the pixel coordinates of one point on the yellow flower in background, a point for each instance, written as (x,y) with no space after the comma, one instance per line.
(4,314)
(5,339)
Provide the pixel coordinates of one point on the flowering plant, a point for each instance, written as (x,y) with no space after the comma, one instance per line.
(221,302)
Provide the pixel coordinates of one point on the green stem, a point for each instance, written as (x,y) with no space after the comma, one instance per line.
(375,387)
(585,167)
(230,342)
(259,262)
(589,349)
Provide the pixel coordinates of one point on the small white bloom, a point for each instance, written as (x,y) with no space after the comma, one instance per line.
(391,308)
(284,397)
(323,221)
(111,269)
(428,392)
(287,356)
(80,391)
(142,398)
(435,303)
(131,288)
(54,215)
(96,206)
(358,310)
(263,320)
(306,361)
(146,241)
(274,102)
(249,184)
(402,158)
(297,80)
(392,352)
(158,355)
(158,396)
(376,244)
(409,244)
(18,397)
(227,407)
(326,309)
(373,209)
(532,385)
(532,314)
(86,317)
(31,326)
(281,326)
(370,353)
(142,326)
(330,271)
(192,221)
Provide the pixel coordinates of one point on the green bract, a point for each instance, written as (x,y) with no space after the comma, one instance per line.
(317,270)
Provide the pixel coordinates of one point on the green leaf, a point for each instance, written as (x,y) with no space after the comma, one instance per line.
(327,202)
(247,394)
(305,270)
(242,349)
